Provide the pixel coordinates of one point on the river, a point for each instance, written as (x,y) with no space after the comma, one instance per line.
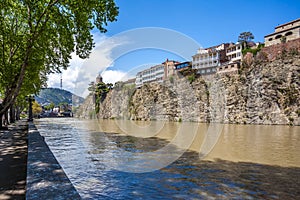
(118,159)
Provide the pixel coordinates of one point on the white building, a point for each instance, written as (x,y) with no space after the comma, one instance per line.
(234,52)
(155,73)
(207,60)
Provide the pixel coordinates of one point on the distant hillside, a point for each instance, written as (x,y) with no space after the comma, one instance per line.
(57,96)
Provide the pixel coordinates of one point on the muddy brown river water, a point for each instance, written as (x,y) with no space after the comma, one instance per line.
(118,159)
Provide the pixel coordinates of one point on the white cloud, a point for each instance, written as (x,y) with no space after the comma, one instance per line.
(81,72)
(112,76)
(68,76)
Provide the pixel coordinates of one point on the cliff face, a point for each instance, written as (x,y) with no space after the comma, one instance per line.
(265,93)
(87,109)
(261,93)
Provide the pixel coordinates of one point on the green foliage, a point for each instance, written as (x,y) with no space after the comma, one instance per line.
(191,78)
(283,39)
(171,78)
(38,37)
(64,107)
(294,51)
(23,116)
(298,112)
(50,106)
(91,87)
(253,51)
(110,86)
(36,108)
(245,37)
(101,90)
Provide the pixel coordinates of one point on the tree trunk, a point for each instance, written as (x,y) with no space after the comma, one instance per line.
(6,118)
(12,92)
(12,114)
(18,113)
(1,121)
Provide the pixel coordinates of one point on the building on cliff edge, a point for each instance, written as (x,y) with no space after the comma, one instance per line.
(157,73)
(283,33)
(234,57)
(207,60)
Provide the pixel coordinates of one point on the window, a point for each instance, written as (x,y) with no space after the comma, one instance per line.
(278,36)
(270,39)
(289,33)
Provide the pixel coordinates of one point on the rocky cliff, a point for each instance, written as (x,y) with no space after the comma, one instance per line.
(261,92)
(87,109)
(265,93)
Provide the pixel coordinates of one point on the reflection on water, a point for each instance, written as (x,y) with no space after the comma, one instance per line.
(247,162)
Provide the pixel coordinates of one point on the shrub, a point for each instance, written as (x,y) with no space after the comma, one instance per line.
(191,78)
(298,112)
(171,79)
(253,51)
(294,52)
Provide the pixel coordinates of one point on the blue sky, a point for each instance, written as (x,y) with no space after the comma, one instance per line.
(207,23)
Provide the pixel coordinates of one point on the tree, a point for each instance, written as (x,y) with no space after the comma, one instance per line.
(110,86)
(50,106)
(245,37)
(37,38)
(36,108)
(101,90)
(91,87)
(64,106)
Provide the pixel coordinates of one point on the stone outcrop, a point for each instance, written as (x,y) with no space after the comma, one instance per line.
(261,93)
(87,109)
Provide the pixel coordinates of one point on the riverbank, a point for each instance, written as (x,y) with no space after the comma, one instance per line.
(13,161)
(28,167)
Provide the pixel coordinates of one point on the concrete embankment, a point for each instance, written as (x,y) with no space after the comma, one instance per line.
(45,177)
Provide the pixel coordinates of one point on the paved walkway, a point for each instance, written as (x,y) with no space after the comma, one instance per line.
(45,177)
(13,160)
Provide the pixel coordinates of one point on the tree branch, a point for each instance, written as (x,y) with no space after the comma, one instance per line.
(44,13)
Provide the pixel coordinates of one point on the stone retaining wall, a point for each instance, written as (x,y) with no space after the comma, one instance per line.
(45,177)
(276,50)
